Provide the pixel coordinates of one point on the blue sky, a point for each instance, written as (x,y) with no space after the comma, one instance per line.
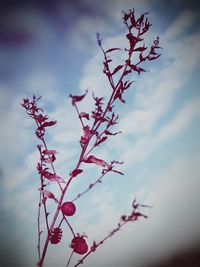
(50,49)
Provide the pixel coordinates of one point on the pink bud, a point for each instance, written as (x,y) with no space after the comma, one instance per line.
(68,208)
(79,245)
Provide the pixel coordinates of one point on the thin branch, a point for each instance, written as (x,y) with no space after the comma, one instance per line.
(78,114)
(89,187)
(70,227)
(68,262)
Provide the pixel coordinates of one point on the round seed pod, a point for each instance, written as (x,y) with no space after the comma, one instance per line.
(68,208)
(56,235)
(79,245)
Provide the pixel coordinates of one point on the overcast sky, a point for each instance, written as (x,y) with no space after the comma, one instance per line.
(49,48)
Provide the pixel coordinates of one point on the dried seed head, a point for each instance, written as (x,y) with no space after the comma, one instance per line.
(79,245)
(68,208)
(56,235)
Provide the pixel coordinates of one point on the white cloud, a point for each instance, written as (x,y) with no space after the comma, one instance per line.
(13,137)
(68,128)
(183,23)
(181,120)
(4,98)
(145,145)
(16,178)
(43,82)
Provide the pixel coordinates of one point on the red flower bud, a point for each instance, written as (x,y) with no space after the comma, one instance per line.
(68,208)
(79,245)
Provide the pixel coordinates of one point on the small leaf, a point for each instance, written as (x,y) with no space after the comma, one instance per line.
(53,177)
(112,49)
(152,58)
(50,155)
(137,69)
(49,152)
(121,173)
(127,72)
(140,49)
(76,172)
(127,85)
(123,218)
(77,98)
(132,39)
(48,194)
(50,159)
(137,214)
(100,162)
(140,20)
(39,147)
(109,133)
(126,17)
(86,135)
(101,140)
(141,57)
(94,246)
(84,115)
(46,124)
(117,69)
(91,185)
(118,95)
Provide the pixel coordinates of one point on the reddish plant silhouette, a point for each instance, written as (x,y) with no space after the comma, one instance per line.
(96,129)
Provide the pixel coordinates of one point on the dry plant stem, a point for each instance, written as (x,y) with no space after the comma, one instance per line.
(38,225)
(93,135)
(89,187)
(58,208)
(52,166)
(45,145)
(70,227)
(68,262)
(79,114)
(41,201)
(94,129)
(69,181)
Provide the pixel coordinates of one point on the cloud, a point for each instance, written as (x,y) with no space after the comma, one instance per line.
(145,145)
(11,132)
(183,23)
(43,82)
(180,121)
(175,218)
(16,178)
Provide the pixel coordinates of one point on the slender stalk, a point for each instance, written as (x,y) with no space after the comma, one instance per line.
(93,130)
(89,187)
(58,209)
(78,114)
(38,225)
(70,227)
(68,262)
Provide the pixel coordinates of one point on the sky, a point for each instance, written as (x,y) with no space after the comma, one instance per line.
(49,48)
